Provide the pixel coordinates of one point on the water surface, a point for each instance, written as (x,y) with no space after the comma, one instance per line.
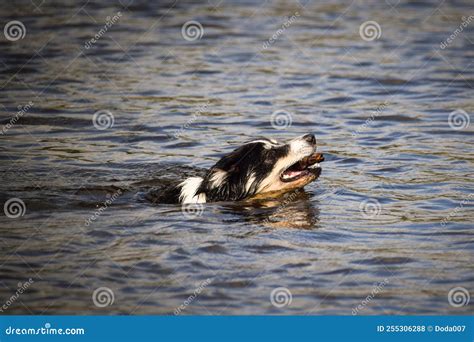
(391,211)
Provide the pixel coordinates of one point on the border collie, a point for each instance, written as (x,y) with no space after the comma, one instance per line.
(259,168)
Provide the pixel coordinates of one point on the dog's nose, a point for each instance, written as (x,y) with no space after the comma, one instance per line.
(310,138)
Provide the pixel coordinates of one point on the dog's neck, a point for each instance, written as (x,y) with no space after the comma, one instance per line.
(189,189)
(216,186)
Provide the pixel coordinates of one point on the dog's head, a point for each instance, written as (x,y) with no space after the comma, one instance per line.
(263,166)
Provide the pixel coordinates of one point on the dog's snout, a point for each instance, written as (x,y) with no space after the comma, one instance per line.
(310,138)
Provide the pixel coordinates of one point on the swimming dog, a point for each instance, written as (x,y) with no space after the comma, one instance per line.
(259,168)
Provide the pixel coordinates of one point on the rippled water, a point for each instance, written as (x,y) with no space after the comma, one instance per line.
(390,217)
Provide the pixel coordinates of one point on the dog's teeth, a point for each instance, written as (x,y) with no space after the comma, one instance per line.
(314,166)
(291,174)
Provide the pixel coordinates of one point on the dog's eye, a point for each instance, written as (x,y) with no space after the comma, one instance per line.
(280,150)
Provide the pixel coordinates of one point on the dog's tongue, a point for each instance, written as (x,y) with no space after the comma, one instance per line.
(302,165)
(310,160)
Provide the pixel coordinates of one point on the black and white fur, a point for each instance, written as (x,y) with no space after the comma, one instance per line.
(254,168)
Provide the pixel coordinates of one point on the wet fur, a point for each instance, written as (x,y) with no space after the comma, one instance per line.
(251,169)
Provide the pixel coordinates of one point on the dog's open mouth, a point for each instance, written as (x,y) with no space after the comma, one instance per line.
(304,167)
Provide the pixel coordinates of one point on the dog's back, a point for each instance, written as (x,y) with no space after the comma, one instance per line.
(167,195)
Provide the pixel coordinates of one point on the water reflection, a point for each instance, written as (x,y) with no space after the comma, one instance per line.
(295,209)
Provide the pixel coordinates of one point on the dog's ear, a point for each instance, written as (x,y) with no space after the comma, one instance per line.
(231,162)
(228,178)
